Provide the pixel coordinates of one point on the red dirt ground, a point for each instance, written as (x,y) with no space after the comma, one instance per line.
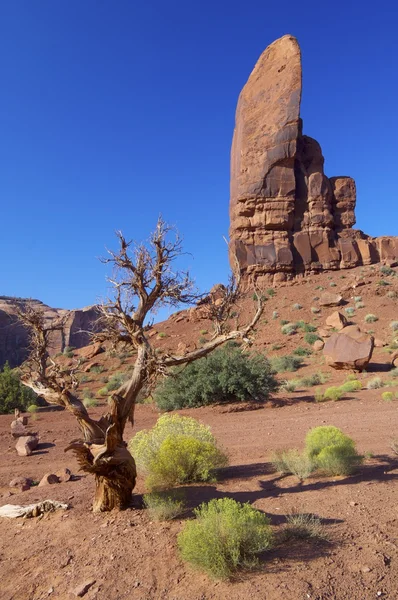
(130,557)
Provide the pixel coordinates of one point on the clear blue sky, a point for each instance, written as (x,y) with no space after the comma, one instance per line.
(112,112)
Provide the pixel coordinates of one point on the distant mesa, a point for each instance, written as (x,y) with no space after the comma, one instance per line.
(287,217)
(14,337)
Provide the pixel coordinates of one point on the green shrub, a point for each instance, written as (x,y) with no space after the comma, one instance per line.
(357,298)
(387,396)
(306,327)
(350,311)
(315,310)
(225,536)
(297,306)
(203,331)
(383,283)
(359,305)
(385,270)
(32,408)
(97,369)
(318,395)
(371,318)
(116,381)
(275,314)
(333,284)
(13,394)
(289,328)
(164,506)
(352,385)
(303,526)
(290,386)
(374,384)
(271,292)
(333,393)
(89,402)
(162,334)
(332,451)
(293,462)
(311,338)
(176,450)
(225,375)
(300,351)
(287,363)
(394,372)
(394,325)
(314,379)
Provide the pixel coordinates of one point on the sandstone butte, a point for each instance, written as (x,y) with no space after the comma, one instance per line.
(287,217)
(14,337)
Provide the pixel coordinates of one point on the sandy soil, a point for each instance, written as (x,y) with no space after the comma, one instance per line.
(130,557)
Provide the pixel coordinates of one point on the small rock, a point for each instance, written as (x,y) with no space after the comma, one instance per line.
(336,320)
(64,475)
(352,503)
(318,345)
(23,483)
(380,343)
(48,479)
(328,299)
(26,444)
(366,569)
(83,588)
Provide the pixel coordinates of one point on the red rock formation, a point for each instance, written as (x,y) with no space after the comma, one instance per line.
(14,338)
(287,217)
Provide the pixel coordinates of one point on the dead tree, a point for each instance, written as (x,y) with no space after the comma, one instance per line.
(143,280)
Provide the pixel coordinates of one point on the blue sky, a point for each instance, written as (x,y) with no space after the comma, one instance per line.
(112,112)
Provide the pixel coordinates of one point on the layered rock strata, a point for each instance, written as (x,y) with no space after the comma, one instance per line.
(286,216)
(14,337)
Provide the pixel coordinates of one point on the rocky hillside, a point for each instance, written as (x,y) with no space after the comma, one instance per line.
(287,217)
(14,337)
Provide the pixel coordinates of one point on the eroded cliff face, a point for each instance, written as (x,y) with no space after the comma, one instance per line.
(14,337)
(287,217)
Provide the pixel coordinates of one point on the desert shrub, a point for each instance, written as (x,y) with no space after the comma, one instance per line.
(97,369)
(387,396)
(315,310)
(290,386)
(116,381)
(89,402)
(318,395)
(311,338)
(374,384)
(276,346)
(303,526)
(13,394)
(353,385)
(225,375)
(371,318)
(394,325)
(357,298)
(289,328)
(383,283)
(203,331)
(333,393)
(271,292)
(282,364)
(350,311)
(297,306)
(391,294)
(314,379)
(32,408)
(385,270)
(394,372)
(293,462)
(275,314)
(225,536)
(332,284)
(359,305)
(164,506)
(176,450)
(103,391)
(306,327)
(300,351)
(331,450)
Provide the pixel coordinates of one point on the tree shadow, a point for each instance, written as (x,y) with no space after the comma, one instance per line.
(244,471)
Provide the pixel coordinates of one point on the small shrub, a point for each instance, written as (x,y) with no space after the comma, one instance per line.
(103,391)
(332,284)
(225,536)
(68,353)
(271,292)
(89,402)
(297,306)
(350,311)
(202,340)
(394,372)
(333,393)
(303,526)
(391,294)
(318,396)
(226,375)
(97,369)
(32,409)
(162,334)
(282,364)
(351,386)
(359,305)
(275,314)
(289,328)
(276,346)
(315,310)
(293,462)
(176,450)
(68,350)
(331,450)
(311,338)
(164,506)
(314,379)
(387,396)
(394,325)
(306,327)
(374,384)
(385,270)
(357,298)
(204,332)
(383,283)
(116,381)
(290,386)
(300,351)
(371,318)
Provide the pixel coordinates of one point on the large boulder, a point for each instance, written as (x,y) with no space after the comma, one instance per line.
(349,349)
(26,444)
(287,216)
(329,299)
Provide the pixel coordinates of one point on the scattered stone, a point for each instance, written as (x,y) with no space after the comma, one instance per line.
(336,320)
(90,351)
(318,345)
(26,444)
(349,349)
(64,475)
(366,569)
(48,479)
(329,299)
(353,503)
(83,588)
(324,333)
(22,483)
(380,343)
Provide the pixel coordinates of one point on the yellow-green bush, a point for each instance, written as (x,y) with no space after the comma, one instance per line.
(176,450)
(333,393)
(331,450)
(293,462)
(388,396)
(353,385)
(225,536)
(164,506)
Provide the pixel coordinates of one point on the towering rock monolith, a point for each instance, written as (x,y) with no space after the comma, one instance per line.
(287,217)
